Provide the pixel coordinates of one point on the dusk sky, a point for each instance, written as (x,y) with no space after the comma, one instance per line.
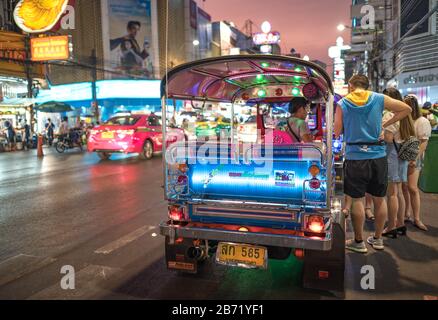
(309,26)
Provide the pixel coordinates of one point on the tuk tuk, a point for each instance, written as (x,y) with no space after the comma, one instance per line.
(242,204)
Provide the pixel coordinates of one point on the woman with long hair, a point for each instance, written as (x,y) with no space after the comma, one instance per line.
(394,137)
(423,131)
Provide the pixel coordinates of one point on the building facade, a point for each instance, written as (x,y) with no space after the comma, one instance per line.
(368,18)
(412,65)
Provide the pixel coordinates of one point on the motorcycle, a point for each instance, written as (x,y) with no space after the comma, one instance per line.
(69,141)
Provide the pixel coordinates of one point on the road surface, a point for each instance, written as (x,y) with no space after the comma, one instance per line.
(101,219)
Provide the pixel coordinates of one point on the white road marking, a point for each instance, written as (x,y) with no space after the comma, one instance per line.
(89,282)
(21,265)
(117,244)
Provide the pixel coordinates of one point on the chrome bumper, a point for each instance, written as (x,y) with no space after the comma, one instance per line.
(266,239)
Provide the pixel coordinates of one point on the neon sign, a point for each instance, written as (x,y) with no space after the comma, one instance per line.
(266,38)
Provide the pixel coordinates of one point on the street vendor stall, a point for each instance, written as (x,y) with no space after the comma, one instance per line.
(16,112)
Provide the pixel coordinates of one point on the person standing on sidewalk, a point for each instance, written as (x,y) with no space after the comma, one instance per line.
(395,136)
(50,130)
(366,166)
(10,135)
(423,132)
(27,135)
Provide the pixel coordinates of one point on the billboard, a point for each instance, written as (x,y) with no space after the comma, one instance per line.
(411,14)
(130,31)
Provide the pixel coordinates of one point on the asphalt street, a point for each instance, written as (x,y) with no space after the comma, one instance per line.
(101,218)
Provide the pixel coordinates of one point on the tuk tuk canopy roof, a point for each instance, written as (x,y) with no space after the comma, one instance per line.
(246,78)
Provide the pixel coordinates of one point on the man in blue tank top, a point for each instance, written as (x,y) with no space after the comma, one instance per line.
(359,118)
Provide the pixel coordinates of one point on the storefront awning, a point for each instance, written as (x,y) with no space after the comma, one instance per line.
(17,103)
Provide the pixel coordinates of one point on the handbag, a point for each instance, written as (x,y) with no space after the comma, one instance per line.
(409,149)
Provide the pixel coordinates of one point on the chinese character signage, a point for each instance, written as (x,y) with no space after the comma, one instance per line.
(13,54)
(50,48)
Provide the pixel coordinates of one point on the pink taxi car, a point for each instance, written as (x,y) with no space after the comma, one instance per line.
(129,134)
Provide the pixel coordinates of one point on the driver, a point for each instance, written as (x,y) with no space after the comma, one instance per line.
(296,125)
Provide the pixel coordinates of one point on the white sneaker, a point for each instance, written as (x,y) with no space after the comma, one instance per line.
(356,247)
(376,243)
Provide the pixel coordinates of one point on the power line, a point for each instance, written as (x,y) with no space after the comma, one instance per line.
(410,31)
(70,63)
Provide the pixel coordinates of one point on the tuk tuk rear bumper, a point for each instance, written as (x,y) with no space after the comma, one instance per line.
(266,239)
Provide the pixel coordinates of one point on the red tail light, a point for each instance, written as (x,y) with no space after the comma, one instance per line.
(177,213)
(182,180)
(315,224)
(315,184)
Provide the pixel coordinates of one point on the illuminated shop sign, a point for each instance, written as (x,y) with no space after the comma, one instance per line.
(50,48)
(106,89)
(266,38)
(418,79)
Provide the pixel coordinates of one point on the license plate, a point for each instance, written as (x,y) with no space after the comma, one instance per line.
(242,255)
(107,135)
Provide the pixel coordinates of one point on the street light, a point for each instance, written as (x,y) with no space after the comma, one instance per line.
(306,58)
(196,43)
(266,27)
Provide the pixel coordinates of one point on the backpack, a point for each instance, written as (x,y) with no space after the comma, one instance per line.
(409,149)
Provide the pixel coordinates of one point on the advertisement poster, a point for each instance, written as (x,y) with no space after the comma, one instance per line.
(130,37)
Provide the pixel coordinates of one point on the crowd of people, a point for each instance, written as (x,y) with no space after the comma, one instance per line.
(386,138)
(50,132)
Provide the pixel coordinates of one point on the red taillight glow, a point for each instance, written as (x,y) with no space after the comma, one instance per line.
(182,180)
(315,184)
(315,224)
(176,213)
(299,253)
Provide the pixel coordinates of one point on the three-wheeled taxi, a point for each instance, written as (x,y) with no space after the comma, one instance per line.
(242,204)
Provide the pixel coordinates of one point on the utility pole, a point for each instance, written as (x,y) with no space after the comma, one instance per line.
(28,71)
(94,104)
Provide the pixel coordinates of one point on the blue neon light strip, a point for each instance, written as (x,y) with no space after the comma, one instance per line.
(106,89)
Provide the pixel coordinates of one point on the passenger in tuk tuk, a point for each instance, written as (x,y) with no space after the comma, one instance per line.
(297,127)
